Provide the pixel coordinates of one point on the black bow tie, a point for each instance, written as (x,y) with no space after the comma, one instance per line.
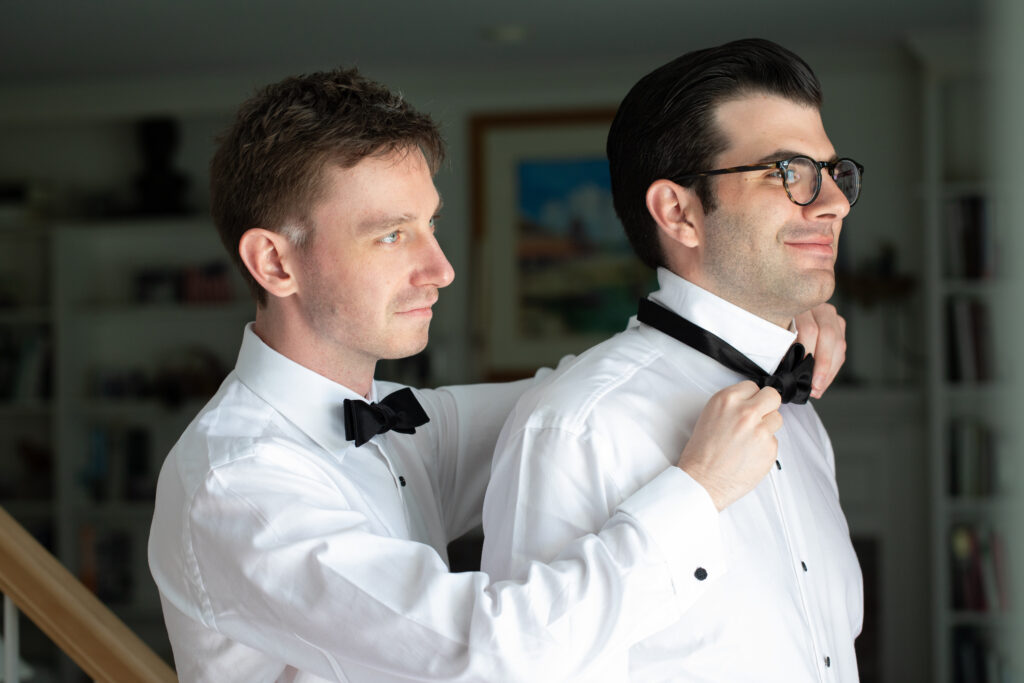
(792,379)
(399,411)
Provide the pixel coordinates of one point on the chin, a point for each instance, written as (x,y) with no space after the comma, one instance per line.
(819,289)
(405,350)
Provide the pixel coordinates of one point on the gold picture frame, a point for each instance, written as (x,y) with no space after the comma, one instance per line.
(554,273)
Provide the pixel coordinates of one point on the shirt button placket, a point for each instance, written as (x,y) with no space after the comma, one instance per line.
(827,660)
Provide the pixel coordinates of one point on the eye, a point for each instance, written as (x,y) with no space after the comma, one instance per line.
(792,174)
(391,237)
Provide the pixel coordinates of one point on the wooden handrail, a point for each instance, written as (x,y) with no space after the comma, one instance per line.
(68,612)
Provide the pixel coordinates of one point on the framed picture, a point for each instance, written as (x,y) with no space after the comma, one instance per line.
(555,273)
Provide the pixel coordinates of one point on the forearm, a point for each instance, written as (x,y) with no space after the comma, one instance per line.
(550,487)
(354,598)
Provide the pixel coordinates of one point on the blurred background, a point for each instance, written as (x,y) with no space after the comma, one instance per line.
(119,312)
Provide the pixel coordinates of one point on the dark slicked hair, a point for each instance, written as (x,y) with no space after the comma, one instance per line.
(665,126)
(268,170)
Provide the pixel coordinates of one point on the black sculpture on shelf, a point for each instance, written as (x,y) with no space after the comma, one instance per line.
(159,188)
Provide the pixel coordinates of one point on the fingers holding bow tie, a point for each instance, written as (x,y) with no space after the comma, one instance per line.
(822,331)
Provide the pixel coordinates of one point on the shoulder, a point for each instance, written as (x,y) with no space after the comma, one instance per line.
(596,380)
(235,431)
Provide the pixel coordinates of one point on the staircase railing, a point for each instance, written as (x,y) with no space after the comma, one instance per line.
(70,614)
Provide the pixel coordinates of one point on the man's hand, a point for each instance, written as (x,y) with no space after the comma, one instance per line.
(733,444)
(822,331)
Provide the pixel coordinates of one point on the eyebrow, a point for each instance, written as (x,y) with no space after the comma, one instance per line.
(781,154)
(386,221)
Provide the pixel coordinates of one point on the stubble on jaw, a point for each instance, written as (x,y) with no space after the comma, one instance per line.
(762,281)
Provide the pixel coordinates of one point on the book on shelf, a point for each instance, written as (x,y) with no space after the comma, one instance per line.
(974,470)
(28,475)
(979,575)
(26,364)
(977,658)
(968,340)
(970,247)
(118,464)
(105,562)
(195,284)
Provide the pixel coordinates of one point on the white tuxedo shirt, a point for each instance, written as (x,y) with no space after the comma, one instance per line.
(783,599)
(282,552)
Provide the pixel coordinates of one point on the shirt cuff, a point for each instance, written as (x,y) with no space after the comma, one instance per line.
(682,520)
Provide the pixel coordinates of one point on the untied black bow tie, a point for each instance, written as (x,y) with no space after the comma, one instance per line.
(792,379)
(398,411)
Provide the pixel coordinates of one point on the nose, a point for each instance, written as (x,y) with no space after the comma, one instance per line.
(831,203)
(434,268)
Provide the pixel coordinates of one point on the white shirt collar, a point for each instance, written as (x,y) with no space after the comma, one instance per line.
(761,341)
(309,400)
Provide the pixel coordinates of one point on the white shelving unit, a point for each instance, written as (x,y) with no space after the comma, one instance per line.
(970,571)
(148,316)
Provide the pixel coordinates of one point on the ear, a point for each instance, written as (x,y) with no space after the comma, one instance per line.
(677,211)
(268,256)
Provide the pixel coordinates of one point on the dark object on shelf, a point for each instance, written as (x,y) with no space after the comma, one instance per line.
(210,282)
(157,285)
(26,364)
(971,250)
(105,563)
(140,484)
(968,340)
(877,280)
(188,373)
(14,207)
(159,188)
(868,289)
(36,458)
(121,383)
(95,475)
(198,284)
(976,656)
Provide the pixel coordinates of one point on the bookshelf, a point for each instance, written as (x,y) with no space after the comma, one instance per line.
(147,316)
(968,459)
(26,385)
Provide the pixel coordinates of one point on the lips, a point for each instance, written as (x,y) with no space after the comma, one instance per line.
(813,244)
(419,308)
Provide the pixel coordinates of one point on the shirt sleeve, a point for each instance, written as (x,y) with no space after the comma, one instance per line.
(552,485)
(290,569)
(468,421)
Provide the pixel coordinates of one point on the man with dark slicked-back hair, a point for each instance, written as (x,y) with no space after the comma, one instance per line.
(727,184)
(302,519)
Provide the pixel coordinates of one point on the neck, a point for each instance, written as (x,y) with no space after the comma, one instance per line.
(737,297)
(281,331)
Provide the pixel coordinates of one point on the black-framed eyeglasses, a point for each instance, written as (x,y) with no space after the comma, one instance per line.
(801,176)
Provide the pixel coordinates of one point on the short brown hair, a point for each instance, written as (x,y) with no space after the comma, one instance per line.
(267,170)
